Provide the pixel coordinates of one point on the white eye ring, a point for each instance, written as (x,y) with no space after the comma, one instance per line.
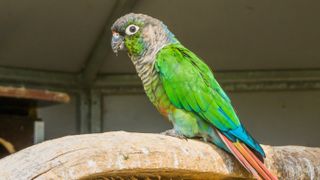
(132,29)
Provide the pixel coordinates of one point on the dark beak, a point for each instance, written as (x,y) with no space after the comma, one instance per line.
(117,42)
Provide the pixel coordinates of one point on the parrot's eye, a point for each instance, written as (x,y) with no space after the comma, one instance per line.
(132,29)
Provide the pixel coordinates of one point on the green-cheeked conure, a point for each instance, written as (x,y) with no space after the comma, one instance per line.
(183,89)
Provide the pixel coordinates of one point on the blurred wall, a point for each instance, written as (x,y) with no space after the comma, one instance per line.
(60,120)
(276,118)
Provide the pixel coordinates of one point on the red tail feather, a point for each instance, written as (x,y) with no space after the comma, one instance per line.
(248,159)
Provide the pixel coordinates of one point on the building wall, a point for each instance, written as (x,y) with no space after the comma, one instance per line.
(276,118)
(132,113)
(60,120)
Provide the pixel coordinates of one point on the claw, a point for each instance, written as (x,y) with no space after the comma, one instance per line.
(173,133)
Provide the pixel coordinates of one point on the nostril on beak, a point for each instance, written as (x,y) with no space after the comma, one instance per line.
(115,34)
(116,42)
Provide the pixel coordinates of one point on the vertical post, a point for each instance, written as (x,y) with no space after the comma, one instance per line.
(38,132)
(95,111)
(84,112)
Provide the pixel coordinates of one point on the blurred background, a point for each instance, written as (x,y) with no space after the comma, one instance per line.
(58,75)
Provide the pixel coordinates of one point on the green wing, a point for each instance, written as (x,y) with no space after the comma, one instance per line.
(190,85)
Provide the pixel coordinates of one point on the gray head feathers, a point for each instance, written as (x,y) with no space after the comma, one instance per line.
(121,23)
(144,43)
(158,27)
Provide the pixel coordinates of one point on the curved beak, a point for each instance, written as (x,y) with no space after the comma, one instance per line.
(117,42)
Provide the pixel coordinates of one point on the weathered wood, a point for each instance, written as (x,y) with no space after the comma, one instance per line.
(34,94)
(122,155)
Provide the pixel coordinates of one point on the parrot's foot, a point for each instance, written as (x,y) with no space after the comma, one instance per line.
(173,133)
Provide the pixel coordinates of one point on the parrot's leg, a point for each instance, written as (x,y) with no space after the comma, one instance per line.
(184,123)
(174,133)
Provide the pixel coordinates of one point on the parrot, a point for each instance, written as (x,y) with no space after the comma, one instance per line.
(183,89)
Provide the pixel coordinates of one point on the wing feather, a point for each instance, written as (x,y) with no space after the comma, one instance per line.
(190,85)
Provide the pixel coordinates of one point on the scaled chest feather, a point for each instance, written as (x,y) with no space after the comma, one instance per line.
(158,96)
(153,88)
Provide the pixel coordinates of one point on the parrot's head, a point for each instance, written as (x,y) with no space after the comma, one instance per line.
(139,34)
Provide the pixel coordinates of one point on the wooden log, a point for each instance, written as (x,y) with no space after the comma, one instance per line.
(123,155)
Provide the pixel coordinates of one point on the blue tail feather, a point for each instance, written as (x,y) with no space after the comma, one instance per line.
(243,135)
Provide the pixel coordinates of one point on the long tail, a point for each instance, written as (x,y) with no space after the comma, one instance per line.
(248,159)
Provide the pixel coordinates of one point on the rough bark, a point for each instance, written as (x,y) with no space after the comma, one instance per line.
(123,155)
